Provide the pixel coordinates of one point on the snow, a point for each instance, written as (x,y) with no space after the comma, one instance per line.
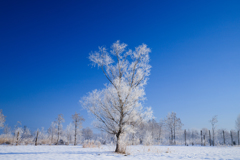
(106,152)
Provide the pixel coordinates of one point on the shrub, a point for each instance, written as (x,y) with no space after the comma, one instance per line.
(91,144)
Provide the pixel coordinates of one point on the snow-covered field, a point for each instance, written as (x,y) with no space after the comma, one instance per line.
(106,152)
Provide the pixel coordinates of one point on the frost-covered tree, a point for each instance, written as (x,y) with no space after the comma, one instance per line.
(148,139)
(153,127)
(213,122)
(52,130)
(59,121)
(160,131)
(2,119)
(26,132)
(77,121)
(173,125)
(7,130)
(194,136)
(205,134)
(70,132)
(238,123)
(118,107)
(87,133)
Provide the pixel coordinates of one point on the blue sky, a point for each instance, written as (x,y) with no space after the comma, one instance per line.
(195,57)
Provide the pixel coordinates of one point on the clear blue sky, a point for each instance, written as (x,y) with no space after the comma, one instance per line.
(195,57)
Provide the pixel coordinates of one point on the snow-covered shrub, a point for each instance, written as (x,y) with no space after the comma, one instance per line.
(91,144)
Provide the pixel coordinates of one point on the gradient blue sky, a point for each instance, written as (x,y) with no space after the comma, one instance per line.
(195,57)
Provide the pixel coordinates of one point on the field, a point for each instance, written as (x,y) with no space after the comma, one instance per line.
(106,153)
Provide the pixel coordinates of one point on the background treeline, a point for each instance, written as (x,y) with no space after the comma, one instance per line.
(168,131)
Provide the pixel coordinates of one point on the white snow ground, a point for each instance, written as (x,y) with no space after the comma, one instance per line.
(106,153)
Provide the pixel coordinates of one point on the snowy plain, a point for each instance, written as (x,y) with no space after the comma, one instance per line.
(106,153)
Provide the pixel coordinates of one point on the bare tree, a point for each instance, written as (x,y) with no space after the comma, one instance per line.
(213,122)
(118,107)
(2,119)
(77,120)
(59,121)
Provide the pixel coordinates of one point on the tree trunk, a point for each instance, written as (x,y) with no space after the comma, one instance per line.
(238,138)
(117,145)
(192,138)
(58,133)
(210,141)
(231,138)
(223,138)
(185,135)
(17,138)
(174,134)
(204,140)
(75,136)
(213,133)
(52,138)
(36,139)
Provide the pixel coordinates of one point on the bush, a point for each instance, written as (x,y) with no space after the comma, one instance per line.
(91,144)
(6,139)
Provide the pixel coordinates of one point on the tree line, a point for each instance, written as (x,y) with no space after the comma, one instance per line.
(167,131)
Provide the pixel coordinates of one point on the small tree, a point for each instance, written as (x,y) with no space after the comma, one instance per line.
(2,119)
(59,121)
(77,121)
(213,122)
(118,107)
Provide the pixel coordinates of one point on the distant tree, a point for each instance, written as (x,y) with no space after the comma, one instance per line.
(59,121)
(148,139)
(205,134)
(26,132)
(173,124)
(213,122)
(87,133)
(69,132)
(238,128)
(194,136)
(153,127)
(7,130)
(77,121)
(52,130)
(160,130)
(2,119)
(118,107)
(238,123)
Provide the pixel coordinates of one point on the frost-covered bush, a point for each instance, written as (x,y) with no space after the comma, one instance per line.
(91,144)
